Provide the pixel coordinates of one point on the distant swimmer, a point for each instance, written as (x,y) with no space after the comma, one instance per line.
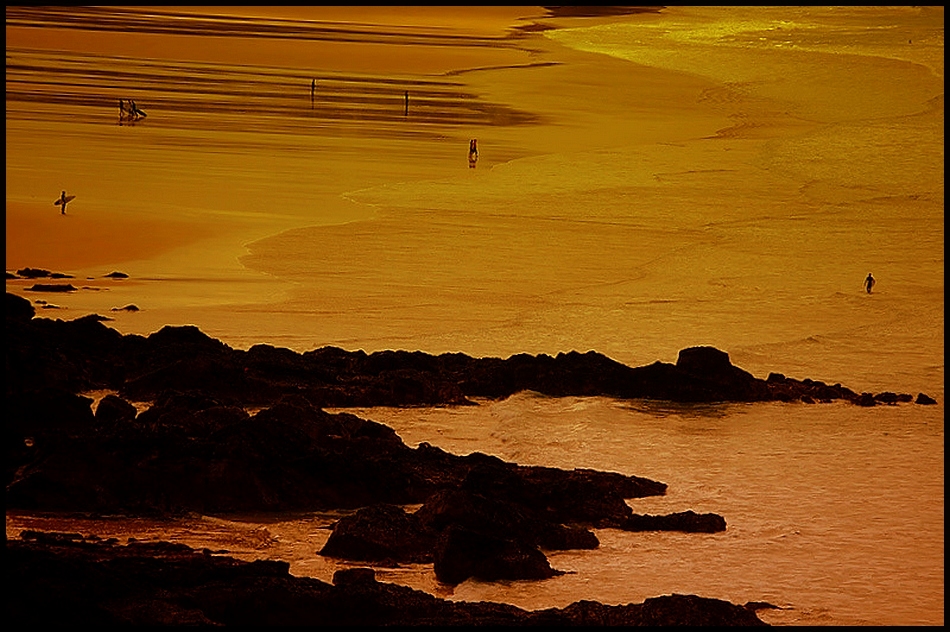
(869,283)
(472,153)
(63,200)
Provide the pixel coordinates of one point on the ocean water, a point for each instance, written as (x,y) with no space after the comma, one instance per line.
(738,174)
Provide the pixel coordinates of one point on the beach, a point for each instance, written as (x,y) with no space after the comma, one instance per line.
(645,183)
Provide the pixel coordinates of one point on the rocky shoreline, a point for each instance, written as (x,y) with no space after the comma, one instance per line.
(197,448)
(85,355)
(66,579)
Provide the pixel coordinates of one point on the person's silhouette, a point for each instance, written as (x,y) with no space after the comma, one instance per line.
(869,282)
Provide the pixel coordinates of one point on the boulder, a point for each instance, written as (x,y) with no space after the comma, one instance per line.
(461,553)
(926,400)
(383,534)
(18,308)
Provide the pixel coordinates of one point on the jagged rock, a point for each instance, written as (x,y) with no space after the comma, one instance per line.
(383,534)
(687,521)
(927,400)
(461,553)
(194,452)
(52,287)
(690,610)
(33,273)
(70,581)
(113,410)
(866,399)
(183,358)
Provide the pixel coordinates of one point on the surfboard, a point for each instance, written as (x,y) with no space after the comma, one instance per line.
(69,198)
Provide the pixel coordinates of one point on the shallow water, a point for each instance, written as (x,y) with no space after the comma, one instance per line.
(696,176)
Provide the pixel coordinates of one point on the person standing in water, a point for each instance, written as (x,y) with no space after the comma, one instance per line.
(869,283)
(62,202)
(472,153)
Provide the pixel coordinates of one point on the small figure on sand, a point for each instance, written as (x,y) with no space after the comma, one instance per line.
(472,153)
(62,201)
(869,283)
(128,111)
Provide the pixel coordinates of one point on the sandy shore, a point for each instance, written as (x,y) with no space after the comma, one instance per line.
(631,208)
(93,234)
(115,224)
(49,240)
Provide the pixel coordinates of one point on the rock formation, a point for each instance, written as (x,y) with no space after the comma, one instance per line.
(84,354)
(67,580)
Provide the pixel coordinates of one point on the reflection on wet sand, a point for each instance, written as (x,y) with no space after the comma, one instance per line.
(184,95)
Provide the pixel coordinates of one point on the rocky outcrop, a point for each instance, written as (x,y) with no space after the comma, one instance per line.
(191,452)
(686,521)
(70,580)
(462,553)
(497,524)
(84,354)
(52,287)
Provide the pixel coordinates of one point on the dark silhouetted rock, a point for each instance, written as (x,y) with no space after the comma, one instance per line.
(461,553)
(117,275)
(927,400)
(866,399)
(52,287)
(690,610)
(70,581)
(113,410)
(33,273)
(380,533)
(183,358)
(687,521)
(18,308)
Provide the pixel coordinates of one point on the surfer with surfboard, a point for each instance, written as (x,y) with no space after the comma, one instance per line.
(63,199)
(130,112)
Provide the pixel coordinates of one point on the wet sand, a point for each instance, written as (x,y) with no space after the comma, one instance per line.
(634,209)
(126,217)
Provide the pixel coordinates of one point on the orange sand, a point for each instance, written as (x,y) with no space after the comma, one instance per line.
(41,237)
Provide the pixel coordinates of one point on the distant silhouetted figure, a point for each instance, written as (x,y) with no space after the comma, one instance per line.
(869,283)
(121,109)
(406,113)
(313,89)
(472,153)
(62,202)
